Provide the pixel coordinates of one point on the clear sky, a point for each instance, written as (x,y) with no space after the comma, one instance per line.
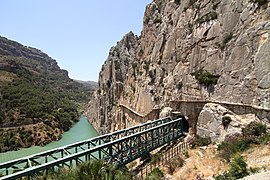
(76,33)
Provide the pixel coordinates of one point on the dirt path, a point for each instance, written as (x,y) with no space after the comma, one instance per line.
(259,176)
(205,163)
(202,162)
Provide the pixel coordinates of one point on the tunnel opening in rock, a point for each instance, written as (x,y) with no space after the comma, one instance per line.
(184,123)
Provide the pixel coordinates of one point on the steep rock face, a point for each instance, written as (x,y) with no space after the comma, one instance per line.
(103,112)
(199,51)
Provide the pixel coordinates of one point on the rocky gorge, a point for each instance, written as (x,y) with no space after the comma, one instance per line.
(207,60)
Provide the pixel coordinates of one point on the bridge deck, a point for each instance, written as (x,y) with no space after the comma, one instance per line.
(120,147)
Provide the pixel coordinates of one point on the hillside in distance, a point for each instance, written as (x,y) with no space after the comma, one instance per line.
(88,84)
(38,101)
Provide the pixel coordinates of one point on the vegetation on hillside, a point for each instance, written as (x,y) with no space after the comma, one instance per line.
(92,170)
(35,91)
(156,173)
(206,78)
(237,169)
(254,133)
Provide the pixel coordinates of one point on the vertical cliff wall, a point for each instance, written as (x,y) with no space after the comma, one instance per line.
(103,110)
(207,50)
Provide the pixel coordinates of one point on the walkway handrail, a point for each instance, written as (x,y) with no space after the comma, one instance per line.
(93,140)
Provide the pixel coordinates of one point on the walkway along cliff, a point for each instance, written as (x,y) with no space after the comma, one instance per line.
(205,59)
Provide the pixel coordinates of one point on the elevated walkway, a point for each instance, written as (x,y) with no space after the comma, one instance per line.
(120,148)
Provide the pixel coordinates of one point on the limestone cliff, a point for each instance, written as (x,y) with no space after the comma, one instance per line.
(103,111)
(189,51)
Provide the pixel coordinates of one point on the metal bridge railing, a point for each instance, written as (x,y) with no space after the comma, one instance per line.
(120,147)
(167,155)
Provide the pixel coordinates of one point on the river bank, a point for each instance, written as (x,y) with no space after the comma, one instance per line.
(80,131)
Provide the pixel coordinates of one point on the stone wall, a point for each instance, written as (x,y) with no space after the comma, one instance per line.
(132,117)
(193,109)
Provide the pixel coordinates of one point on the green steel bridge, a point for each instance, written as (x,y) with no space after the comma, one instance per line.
(120,148)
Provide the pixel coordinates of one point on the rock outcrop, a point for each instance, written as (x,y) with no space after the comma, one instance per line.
(10,48)
(217,122)
(188,51)
(103,113)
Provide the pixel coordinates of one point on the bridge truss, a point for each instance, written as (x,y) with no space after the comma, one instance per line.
(120,147)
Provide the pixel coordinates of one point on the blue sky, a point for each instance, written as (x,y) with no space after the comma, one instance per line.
(77,34)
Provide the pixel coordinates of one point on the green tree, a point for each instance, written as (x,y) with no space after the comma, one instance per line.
(155,174)
(238,167)
(93,170)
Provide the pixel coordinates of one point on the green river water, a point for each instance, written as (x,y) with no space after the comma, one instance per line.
(80,131)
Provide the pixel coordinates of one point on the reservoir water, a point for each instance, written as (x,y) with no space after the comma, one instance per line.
(80,131)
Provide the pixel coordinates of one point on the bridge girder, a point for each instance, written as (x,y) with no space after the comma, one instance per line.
(120,147)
